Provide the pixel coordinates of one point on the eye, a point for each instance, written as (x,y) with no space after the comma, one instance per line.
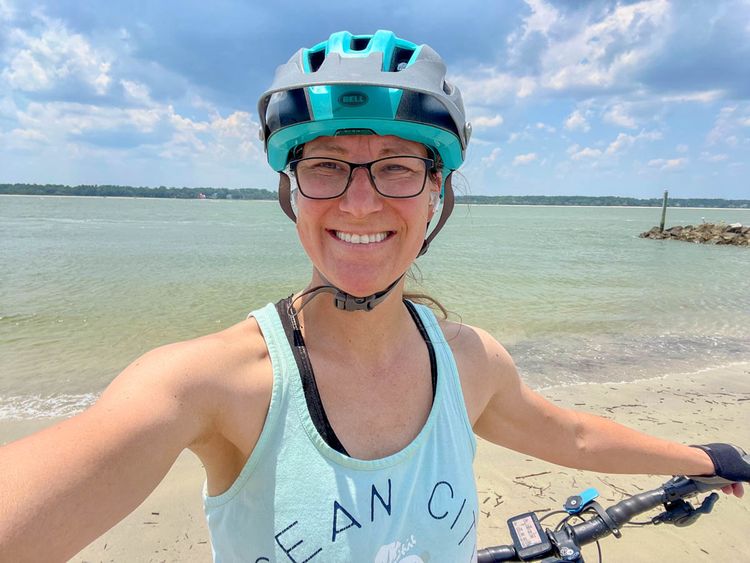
(328,165)
(397,168)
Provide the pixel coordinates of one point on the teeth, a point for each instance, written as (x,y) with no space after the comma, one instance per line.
(361,239)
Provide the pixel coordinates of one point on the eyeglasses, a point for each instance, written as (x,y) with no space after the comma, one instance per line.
(392,176)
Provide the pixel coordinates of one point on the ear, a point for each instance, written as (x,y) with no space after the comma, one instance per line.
(435,189)
(434,201)
(285,196)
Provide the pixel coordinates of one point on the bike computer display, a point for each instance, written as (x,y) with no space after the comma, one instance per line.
(529,539)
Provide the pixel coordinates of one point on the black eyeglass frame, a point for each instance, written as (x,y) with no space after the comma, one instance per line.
(428,162)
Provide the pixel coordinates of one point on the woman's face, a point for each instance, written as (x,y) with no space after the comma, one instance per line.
(395,228)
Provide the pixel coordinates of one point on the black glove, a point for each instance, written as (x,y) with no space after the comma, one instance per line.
(730,462)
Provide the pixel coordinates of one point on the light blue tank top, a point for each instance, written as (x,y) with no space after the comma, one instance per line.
(298,500)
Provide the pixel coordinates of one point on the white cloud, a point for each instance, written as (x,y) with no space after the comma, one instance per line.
(586,153)
(727,123)
(705,97)
(682,148)
(577,121)
(486,122)
(708,157)
(622,142)
(492,157)
(625,141)
(42,62)
(602,53)
(490,86)
(545,127)
(617,115)
(6,11)
(67,125)
(136,91)
(668,165)
(542,18)
(523,159)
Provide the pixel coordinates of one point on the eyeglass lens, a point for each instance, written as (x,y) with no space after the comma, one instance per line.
(397,176)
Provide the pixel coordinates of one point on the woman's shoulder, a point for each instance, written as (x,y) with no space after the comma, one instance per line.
(224,359)
(474,343)
(483,363)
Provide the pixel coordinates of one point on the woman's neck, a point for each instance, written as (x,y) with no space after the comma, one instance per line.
(360,332)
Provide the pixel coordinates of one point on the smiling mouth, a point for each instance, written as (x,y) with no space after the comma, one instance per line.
(355,238)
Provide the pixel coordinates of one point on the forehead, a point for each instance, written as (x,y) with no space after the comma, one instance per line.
(377,144)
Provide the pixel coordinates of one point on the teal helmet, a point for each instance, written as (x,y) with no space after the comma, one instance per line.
(364,84)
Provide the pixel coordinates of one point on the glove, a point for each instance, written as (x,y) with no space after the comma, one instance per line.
(730,462)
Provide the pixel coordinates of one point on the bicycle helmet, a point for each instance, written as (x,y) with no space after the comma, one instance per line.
(359,85)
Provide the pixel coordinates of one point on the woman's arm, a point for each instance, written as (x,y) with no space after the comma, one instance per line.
(516,417)
(66,485)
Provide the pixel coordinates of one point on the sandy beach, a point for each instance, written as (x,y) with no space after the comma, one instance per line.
(700,407)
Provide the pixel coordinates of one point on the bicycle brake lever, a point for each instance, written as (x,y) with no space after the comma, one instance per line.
(682,513)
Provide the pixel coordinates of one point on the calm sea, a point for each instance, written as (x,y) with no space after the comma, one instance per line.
(89,284)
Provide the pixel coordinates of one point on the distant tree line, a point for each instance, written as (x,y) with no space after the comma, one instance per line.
(259,193)
(600,201)
(130,191)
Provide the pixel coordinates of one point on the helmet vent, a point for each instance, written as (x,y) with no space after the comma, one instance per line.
(401,58)
(360,43)
(316,59)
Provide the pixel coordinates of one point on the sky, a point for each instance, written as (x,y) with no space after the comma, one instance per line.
(565,98)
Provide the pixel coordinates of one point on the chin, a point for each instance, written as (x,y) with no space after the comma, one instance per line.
(362,283)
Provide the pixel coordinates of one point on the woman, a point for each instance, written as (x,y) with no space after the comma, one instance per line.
(369,456)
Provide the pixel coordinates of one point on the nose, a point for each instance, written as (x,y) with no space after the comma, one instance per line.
(360,198)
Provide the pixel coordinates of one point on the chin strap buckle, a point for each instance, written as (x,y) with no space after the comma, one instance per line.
(344,301)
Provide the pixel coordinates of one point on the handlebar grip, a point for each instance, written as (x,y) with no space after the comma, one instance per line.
(497,554)
(731,463)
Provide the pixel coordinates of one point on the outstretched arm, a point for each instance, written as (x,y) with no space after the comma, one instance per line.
(68,484)
(516,417)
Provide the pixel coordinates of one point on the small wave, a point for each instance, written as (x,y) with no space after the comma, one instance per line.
(39,407)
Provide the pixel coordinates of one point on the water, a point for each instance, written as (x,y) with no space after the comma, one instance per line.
(89,284)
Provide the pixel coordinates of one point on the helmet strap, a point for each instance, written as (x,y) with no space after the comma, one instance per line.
(342,300)
(285,196)
(345,301)
(445,212)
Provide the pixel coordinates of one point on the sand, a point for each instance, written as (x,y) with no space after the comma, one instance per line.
(706,406)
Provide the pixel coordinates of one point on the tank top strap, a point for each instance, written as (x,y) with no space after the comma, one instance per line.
(447,369)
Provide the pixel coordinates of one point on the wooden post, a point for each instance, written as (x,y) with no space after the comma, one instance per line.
(663,211)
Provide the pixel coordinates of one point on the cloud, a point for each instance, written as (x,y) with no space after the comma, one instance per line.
(523,159)
(604,52)
(577,122)
(682,148)
(487,122)
(53,58)
(492,157)
(625,141)
(668,165)
(488,86)
(705,97)
(545,127)
(617,115)
(586,153)
(725,125)
(708,157)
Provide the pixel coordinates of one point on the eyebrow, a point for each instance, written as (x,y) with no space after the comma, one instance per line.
(338,149)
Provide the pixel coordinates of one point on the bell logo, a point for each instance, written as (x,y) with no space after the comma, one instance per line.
(353,99)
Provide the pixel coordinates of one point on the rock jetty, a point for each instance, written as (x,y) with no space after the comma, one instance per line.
(706,233)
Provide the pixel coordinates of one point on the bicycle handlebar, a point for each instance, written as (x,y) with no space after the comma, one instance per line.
(572,536)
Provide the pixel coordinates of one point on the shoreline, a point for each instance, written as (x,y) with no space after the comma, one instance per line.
(699,407)
(457,203)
